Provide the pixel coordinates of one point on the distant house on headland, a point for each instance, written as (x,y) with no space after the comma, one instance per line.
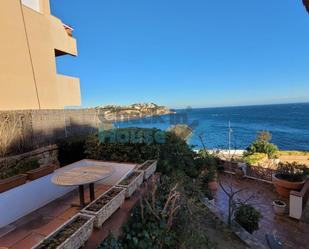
(31,39)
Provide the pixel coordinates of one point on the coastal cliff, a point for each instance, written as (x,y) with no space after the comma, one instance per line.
(120,113)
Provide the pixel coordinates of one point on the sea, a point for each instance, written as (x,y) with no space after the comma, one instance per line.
(237,127)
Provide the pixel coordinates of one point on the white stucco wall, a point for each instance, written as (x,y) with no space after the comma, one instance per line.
(33,4)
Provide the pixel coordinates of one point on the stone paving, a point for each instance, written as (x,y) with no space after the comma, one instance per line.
(292,233)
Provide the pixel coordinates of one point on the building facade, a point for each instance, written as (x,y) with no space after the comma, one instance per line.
(31,39)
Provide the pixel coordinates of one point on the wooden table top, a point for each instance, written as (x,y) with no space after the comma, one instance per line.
(82,175)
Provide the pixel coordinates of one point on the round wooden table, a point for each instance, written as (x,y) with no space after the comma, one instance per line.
(82,176)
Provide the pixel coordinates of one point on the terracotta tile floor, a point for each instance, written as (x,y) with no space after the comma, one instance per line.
(34,227)
(292,233)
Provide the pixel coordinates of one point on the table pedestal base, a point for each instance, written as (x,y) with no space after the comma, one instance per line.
(81,191)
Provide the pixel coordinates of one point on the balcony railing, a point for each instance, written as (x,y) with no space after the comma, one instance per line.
(68,29)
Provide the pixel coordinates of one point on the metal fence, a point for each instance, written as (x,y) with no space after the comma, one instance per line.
(256,172)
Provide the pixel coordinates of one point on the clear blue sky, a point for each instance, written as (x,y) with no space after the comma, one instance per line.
(188,52)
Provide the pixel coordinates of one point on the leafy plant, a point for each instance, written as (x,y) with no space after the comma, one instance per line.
(110,243)
(292,172)
(248,217)
(71,149)
(210,164)
(20,168)
(264,136)
(151,224)
(262,145)
(172,154)
(254,158)
(128,151)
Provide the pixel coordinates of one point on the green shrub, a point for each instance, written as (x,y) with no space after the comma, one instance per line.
(262,145)
(176,154)
(264,136)
(172,153)
(149,225)
(210,168)
(71,149)
(20,168)
(248,217)
(254,158)
(129,151)
(292,172)
(110,243)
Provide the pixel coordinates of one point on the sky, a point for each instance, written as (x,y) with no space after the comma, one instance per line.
(179,53)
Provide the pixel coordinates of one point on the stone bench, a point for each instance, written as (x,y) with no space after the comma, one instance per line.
(298,201)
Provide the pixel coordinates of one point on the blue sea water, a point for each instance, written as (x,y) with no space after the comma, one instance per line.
(288,124)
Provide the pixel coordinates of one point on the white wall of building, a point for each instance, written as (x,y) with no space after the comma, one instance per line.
(33,4)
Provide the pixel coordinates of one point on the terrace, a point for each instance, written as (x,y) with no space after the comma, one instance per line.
(41,209)
(34,227)
(289,231)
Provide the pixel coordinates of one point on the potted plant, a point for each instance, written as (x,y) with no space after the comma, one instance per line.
(149,167)
(132,182)
(103,207)
(248,217)
(72,234)
(40,172)
(279,207)
(289,176)
(210,178)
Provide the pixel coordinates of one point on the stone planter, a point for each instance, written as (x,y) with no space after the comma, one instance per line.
(279,207)
(40,172)
(149,167)
(103,207)
(75,240)
(134,184)
(283,187)
(12,182)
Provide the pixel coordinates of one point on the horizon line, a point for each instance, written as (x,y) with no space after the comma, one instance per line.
(250,105)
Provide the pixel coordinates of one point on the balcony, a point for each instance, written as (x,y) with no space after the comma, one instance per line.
(68,29)
(63,40)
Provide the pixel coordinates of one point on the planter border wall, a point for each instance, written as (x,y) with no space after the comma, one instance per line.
(78,238)
(106,211)
(150,170)
(134,185)
(40,172)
